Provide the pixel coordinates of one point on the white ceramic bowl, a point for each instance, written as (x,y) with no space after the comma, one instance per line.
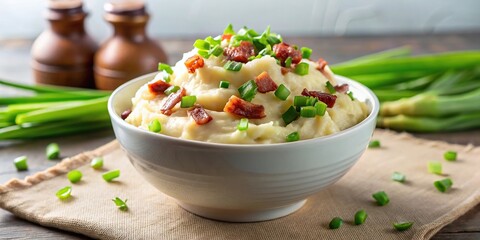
(240,183)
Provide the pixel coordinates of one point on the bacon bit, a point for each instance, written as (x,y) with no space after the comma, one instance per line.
(285,70)
(199,115)
(327,98)
(242,108)
(193,63)
(240,53)
(283,51)
(125,114)
(226,36)
(342,88)
(158,87)
(265,83)
(321,63)
(171,101)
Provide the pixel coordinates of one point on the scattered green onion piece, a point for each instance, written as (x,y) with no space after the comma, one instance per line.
(213,41)
(311,101)
(302,69)
(399,177)
(229,30)
(171,89)
(374,144)
(52,151)
(435,167)
(64,193)
(402,226)
(292,137)
(360,217)
(288,62)
(97,163)
(272,40)
(243,124)
(188,101)
(350,94)
(224,84)
(381,198)
(122,205)
(335,223)
(201,44)
(74,176)
(300,101)
(330,87)
(204,53)
(248,90)
(233,66)
(165,67)
(110,175)
(443,185)
(306,52)
(21,163)
(155,126)
(167,79)
(282,92)
(216,51)
(308,111)
(251,58)
(450,156)
(290,115)
(321,108)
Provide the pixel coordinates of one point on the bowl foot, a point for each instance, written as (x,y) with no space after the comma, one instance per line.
(230,215)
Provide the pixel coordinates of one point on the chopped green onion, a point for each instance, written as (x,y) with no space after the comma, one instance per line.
(233,66)
(224,84)
(188,101)
(229,30)
(110,175)
(350,94)
(52,151)
(335,223)
(290,115)
(97,163)
(122,205)
(74,176)
(64,193)
(248,90)
(282,92)
(201,44)
(302,69)
(450,156)
(165,67)
(292,137)
(21,163)
(300,101)
(381,198)
(243,124)
(399,177)
(360,217)
(402,226)
(272,40)
(311,101)
(321,108)
(330,87)
(288,62)
(435,167)
(216,51)
(171,89)
(443,185)
(155,126)
(167,79)
(374,144)
(306,52)
(308,111)
(204,53)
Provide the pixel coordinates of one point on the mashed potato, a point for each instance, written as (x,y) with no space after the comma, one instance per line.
(204,84)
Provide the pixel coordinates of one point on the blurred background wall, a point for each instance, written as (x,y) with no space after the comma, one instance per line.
(184,18)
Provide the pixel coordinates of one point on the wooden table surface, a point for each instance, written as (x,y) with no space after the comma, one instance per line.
(14,65)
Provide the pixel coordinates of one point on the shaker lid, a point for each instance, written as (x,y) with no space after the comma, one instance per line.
(125,7)
(64,4)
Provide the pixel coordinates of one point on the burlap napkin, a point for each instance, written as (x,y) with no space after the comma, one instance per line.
(152,215)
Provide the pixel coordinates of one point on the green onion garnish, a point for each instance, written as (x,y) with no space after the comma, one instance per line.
(443,185)
(229,30)
(21,163)
(308,111)
(402,226)
(224,84)
(301,69)
(450,156)
(288,62)
(335,223)
(201,44)
(64,193)
(300,101)
(155,126)
(321,108)
(248,90)
(233,66)
(360,217)
(306,52)
(97,163)
(243,124)
(399,177)
(52,151)
(122,205)
(74,176)
(374,144)
(204,53)
(435,167)
(167,79)
(292,137)
(282,92)
(171,89)
(110,175)
(290,115)
(188,101)
(311,101)
(216,51)
(381,198)
(330,87)
(274,39)
(350,94)
(165,67)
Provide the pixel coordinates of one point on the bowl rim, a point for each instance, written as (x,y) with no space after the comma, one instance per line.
(115,118)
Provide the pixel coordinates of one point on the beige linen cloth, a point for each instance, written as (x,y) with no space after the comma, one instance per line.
(152,215)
